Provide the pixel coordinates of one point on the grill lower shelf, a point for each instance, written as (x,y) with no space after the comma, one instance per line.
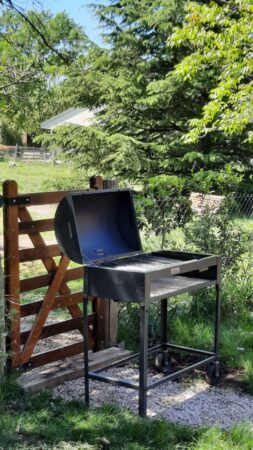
(169,286)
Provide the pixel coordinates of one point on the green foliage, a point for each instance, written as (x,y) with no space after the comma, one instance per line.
(9,393)
(248,373)
(129,325)
(236,298)
(162,206)
(9,135)
(175,87)
(34,61)
(215,232)
(207,181)
(219,39)
(65,182)
(134,137)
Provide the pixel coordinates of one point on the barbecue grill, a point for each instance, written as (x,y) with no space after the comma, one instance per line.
(99,230)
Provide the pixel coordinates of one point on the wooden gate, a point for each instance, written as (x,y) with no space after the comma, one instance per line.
(21,345)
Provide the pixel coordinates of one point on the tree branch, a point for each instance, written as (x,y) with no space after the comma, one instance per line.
(34,28)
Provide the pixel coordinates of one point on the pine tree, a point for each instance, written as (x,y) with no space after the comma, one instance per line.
(173,101)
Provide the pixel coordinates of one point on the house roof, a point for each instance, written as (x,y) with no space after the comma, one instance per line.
(77,116)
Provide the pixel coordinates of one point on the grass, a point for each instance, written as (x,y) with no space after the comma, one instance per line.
(32,176)
(246,222)
(40,422)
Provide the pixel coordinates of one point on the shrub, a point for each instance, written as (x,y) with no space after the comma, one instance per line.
(162,206)
(215,232)
(65,183)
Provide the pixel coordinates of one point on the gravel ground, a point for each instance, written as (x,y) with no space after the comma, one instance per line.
(195,404)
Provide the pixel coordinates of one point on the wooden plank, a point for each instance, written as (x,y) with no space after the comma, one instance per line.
(44,310)
(11,272)
(96,182)
(106,322)
(60,353)
(54,329)
(75,311)
(35,226)
(62,371)
(33,254)
(2,324)
(48,198)
(40,281)
(37,240)
(29,309)
(113,325)
(60,327)
(49,263)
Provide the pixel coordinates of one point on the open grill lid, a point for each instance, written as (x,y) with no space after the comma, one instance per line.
(93,226)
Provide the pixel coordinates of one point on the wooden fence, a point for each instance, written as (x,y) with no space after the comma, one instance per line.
(24,153)
(21,345)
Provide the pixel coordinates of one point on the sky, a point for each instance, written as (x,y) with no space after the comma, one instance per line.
(79,11)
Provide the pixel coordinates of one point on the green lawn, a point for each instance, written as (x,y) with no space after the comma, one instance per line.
(40,422)
(246,222)
(32,176)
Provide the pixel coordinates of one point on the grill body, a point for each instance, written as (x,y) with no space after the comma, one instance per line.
(151,276)
(99,230)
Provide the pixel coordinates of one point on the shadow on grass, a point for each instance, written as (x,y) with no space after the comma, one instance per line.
(40,422)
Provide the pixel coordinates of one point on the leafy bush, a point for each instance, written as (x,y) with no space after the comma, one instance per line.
(163,206)
(215,232)
(129,324)
(9,134)
(236,298)
(220,182)
(65,183)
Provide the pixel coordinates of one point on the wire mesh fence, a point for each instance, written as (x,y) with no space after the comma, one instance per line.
(240,205)
(165,222)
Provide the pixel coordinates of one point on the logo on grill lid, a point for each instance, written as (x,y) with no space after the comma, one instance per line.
(100,251)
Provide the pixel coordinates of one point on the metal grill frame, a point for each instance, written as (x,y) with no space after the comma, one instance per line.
(207,267)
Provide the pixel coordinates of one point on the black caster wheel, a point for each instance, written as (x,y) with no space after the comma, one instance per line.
(163,362)
(213,373)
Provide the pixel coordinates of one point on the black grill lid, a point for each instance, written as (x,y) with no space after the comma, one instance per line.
(96,225)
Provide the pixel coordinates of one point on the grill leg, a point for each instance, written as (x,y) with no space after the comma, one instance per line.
(86,348)
(143,369)
(217,320)
(164,320)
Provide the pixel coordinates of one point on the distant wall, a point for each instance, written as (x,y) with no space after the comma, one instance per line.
(201,201)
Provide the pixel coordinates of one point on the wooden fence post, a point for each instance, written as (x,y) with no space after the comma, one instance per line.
(2,324)
(16,153)
(106,310)
(113,306)
(11,272)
